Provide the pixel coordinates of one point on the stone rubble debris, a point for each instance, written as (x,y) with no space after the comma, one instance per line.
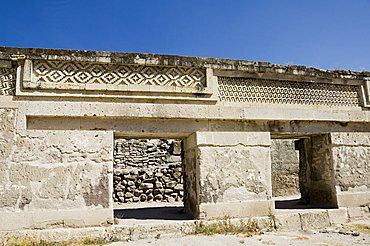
(339,230)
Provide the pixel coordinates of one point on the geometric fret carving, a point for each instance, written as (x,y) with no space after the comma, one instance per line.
(252,90)
(7,81)
(93,73)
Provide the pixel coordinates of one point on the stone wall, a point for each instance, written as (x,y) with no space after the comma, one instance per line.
(53,177)
(147,170)
(351,155)
(7,121)
(284,168)
(55,170)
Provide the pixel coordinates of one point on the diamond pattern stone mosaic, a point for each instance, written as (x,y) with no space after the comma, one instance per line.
(286,92)
(7,81)
(81,73)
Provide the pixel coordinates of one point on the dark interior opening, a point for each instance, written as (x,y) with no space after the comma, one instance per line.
(302,176)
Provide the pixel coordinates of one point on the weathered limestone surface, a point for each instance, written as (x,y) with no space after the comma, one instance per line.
(56,170)
(284,168)
(147,170)
(351,155)
(7,122)
(191,177)
(322,188)
(230,174)
(234,168)
(53,171)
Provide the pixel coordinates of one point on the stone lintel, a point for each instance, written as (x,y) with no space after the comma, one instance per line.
(231,138)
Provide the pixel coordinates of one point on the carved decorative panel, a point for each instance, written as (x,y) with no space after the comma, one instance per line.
(94,73)
(287,92)
(7,81)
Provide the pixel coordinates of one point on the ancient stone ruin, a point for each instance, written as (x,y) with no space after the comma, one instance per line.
(81,131)
(147,170)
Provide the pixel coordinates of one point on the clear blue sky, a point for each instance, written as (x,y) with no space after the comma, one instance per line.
(330,34)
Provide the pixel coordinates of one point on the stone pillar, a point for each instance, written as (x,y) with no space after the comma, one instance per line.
(228,174)
(304,148)
(351,160)
(322,186)
(191,177)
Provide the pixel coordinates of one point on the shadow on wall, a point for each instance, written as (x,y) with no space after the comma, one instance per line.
(153,213)
(298,204)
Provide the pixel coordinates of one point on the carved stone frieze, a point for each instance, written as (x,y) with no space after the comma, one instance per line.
(7,81)
(114,74)
(252,90)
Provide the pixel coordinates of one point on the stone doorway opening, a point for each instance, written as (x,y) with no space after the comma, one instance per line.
(148,179)
(302,172)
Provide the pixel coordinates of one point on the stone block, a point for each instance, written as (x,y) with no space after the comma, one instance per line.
(173,158)
(168,191)
(150,197)
(52,218)
(263,222)
(142,198)
(128,195)
(338,216)
(234,209)
(314,220)
(233,138)
(171,184)
(176,145)
(234,173)
(366,211)
(355,212)
(158,197)
(288,222)
(146,186)
(171,199)
(12,221)
(178,187)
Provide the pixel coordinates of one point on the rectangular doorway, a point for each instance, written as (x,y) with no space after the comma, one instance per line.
(302,172)
(148,179)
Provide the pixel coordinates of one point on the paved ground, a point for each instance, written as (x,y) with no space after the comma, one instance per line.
(356,233)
